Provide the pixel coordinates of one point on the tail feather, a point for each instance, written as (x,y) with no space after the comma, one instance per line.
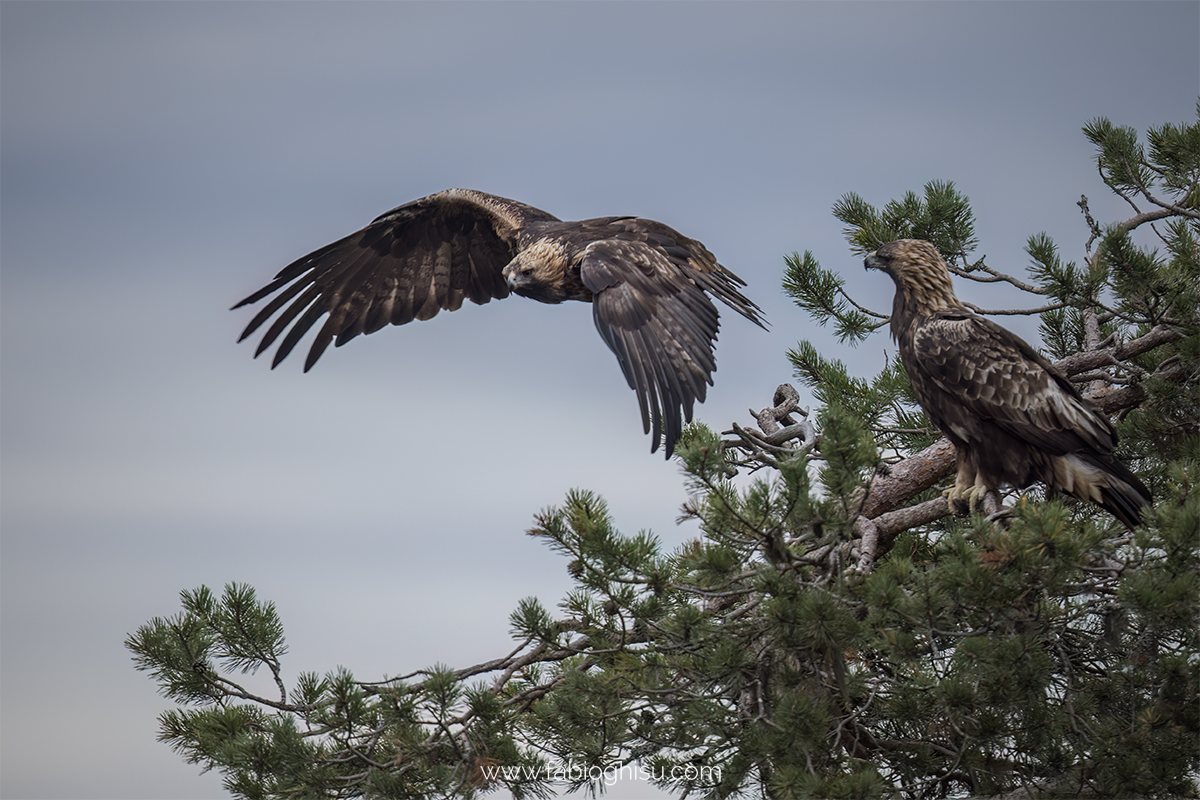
(1104,480)
(1124,503)
(1125,496)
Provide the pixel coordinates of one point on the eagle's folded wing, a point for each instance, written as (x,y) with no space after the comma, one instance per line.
(996,376)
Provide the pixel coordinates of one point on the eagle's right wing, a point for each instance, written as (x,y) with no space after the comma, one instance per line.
(410,263)
(660,325)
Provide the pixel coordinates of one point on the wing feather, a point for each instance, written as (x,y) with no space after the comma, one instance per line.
(659,324)
(644,362)
(379,315)
(292,337)
(289,313)
(410,263)
(269,310)
(997,376)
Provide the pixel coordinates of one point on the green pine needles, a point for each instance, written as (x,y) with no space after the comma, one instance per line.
(833,631)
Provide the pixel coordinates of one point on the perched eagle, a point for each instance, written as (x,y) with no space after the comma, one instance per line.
(1012,417)
(648,286)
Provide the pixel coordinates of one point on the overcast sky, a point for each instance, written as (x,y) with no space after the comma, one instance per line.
(161,161)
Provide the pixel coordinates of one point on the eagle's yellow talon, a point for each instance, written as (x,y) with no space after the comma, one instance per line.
(965,501)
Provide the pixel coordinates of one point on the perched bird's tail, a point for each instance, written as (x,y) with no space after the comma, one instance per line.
(1105,481)
(1124,496)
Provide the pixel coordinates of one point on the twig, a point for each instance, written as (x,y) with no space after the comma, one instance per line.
(861,308)
(999,312)
(996,277)
(1092,226)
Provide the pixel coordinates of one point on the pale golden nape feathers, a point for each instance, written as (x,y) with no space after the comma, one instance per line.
(923,283)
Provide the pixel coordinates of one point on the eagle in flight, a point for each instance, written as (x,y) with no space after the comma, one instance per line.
(649,287)
(1012,417)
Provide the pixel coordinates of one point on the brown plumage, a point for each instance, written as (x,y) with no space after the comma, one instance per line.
(1012,417)
(647,283)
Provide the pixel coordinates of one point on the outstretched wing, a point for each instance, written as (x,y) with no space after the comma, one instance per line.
(410,263)
(651,309)
(997,376)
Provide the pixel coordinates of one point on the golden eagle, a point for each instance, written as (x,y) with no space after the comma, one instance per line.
(648,286)
(1012,417)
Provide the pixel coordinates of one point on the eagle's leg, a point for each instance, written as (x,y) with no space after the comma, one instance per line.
(968,492)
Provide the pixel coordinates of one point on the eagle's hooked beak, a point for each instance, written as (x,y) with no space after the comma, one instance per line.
(512,274)
(515,277)
(873,261)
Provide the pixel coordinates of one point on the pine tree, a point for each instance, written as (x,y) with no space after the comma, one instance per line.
(835,631)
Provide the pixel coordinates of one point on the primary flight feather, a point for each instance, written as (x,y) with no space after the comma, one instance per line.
(649,287)
(1012,417)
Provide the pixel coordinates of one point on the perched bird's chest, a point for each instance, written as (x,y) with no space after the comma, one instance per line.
(939,368)
(924,386)
(913,347)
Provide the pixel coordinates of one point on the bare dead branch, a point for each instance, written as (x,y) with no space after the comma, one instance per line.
(762,446)
(1092,226)
(908,478)
(1094,359)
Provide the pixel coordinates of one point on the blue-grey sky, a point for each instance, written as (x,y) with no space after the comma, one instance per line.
(160,161)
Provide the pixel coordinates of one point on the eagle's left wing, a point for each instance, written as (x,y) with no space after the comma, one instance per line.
(997,376)
(410,263)
(661,326)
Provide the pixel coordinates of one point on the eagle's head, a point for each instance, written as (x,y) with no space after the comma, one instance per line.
(922,277)
(539,272)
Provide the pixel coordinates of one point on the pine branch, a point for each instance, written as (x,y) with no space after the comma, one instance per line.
(1153,216)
